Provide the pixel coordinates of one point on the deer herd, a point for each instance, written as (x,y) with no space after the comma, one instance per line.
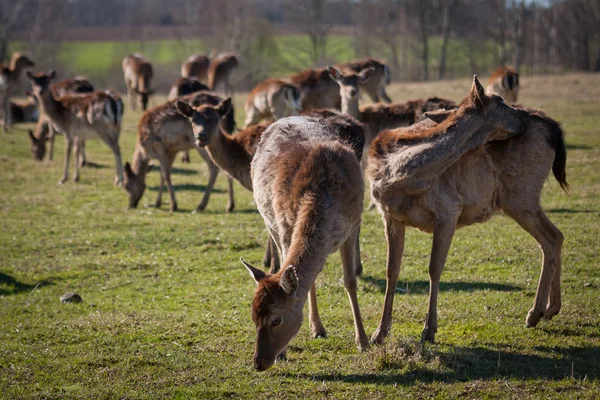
(432,164)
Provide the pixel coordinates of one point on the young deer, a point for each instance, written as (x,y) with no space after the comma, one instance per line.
(220,70)
(162,133)
(137,72)
(375,86)
(83,116)
(9,76)
(483,158)
(272,99)
(504,82)
(309,189)
(196,67)
(317,89)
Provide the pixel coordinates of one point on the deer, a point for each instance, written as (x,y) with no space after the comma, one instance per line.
(504,82)
(25,112)
(138,73)
(162,133)
(196,67)
(81,117)
(272,99)
(317,89)
(458,168)
(308,187)
(220,70)
(9,76)
(375,86)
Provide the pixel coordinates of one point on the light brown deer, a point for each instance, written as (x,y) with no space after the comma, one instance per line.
(196,67)
(162,133)
(272,99)
(308,187)
(9,76)
(317,89)
(375,86)
(483,158)
(504,82)
(220,70)
(138,73)
(25,112)
(82,116)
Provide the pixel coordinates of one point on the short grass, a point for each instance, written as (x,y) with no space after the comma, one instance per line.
(166,311)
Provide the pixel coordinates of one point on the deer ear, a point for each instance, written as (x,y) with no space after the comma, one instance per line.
(128,170)
(254,272)
(334,74)
(289,280)
(366,74)
(184,109)
(477,94)
(224,106)
(438,115)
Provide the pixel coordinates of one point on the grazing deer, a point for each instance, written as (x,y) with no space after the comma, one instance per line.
(162,133)
(375,86)
(317,89)
(483,158)
(138,74)
(196,67)
(81,116)
(220,70)
(272,99)
(9,76)
(504,82)
(309,189)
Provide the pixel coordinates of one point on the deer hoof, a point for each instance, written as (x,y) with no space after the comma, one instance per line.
(230,207)
(76,178)
(551,311)
(428,335)
(118,181)
(62,180)
(533,317)
(318,331)
(378,336)
(362,345)
(173,207)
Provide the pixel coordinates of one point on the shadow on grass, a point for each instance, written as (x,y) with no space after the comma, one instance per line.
(478,363)
(9,285)
(422,287)
(93,165)
(187,186)
(175,170)
(578,147)
(568,211)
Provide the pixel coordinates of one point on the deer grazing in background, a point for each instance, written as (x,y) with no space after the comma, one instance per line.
(81,116)
(483,158)
(162,133)
(220,70)
(272,99)
(137,72)
(504,82)
(9,76)
(309,189)
(196,67)
(317,89)
(375,86)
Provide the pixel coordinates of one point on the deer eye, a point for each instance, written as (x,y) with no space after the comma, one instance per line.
(276,321)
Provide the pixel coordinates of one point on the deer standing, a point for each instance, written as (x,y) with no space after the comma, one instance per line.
(137,72)
(83,116)
(317,89)
(272,99)
(483,158)
(9,77)
(375,86)
(309,189)
(162,133)
(196,67)
(220,70)
(504,82)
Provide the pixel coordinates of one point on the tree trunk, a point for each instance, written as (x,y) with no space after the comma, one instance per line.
(424,40)
(519,36)
(445,37)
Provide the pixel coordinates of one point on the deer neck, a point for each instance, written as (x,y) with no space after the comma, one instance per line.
(140,162)
(51,107)
(350,106)
(229,154)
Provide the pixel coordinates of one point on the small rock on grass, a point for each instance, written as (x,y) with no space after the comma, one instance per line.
(70,297)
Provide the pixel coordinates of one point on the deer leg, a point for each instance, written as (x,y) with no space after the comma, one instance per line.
(268,252)
(6,121)
(383,95)
(359,267)
(113,144)
(131,98)
(548,298)
(77,150)
(165,171)
(275,261)
(316,326)
(81,159)
(68,149)
(350,261)
(51,136)
(252,116)
(230,199)
(161,186)
(213,171)
(395,233)
(442,239)
(185,157)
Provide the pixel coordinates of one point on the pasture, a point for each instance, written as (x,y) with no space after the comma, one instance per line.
(166,302)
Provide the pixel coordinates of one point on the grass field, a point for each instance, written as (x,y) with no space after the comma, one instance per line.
(166,310)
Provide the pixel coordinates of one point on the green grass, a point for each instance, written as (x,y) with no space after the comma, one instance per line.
(166,311)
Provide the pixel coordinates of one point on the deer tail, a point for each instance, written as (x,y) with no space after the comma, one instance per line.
(557,141)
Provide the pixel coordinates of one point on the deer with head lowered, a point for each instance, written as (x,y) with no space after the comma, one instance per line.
(9,76)
(220,71)
(162,133)
(504,82)
(272,99)
(196,67)
(82,116)
(138,73)
(309,189)
(470,163)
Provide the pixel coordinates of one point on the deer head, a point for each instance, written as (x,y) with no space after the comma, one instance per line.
(40,82)
(349,86)
(38,146)
(276,312)
(134,184)
(20,61)
(205,119)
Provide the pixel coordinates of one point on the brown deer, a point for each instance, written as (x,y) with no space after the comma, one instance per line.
(375,86)
(483,158)
(504,82)
(196,67)
(9,76)
(317,89)
(81,116)
(138,74)
(272,99)
(220,70)
(25,112)
(162,133)
(309,189)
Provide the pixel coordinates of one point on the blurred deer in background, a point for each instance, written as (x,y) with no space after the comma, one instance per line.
(137,72)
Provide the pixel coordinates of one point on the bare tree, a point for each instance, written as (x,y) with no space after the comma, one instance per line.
(519,33)
(311,18)
(446,6)
(419,11)
(10,12)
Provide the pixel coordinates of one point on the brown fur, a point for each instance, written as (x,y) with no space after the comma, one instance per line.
(220,70)
(504,82)
(185,86)
(196,67)
(317,89)
(272,99)
(9,76)
(374,87)
(138,74)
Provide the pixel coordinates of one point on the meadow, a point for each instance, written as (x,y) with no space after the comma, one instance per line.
(166,302)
